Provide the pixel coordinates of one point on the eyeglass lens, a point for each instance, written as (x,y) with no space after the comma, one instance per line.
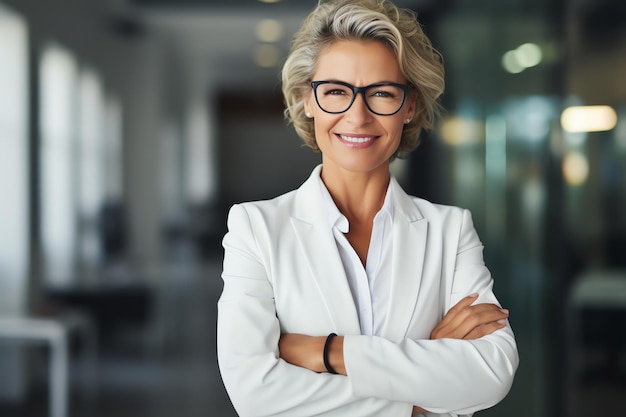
(381,99)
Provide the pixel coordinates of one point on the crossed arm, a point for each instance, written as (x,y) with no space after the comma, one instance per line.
(384,376)
(463,321)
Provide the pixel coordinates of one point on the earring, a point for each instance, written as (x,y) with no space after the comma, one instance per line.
(309,115)
(407,121)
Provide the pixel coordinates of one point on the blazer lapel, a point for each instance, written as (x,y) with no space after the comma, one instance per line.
(410,230)
(319,250)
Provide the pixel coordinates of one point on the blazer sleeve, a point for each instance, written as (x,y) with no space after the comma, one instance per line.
(258,382)
(444,375)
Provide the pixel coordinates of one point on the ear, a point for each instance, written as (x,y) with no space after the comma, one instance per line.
(411,107)
(306,101)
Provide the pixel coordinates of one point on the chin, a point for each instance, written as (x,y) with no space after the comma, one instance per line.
(363,166)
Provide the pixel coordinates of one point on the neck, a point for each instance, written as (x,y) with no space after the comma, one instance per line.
(359,196)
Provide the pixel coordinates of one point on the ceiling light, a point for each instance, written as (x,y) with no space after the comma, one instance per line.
(528,55)
(511,64)
(270,1)
(524,56)
(266,56)
(575,168)
(269,30)
(456,131)
(588,119)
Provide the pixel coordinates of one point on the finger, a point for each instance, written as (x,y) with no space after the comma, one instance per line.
(458,307)
(473,316)
(464,302)
(467,319)
(481,314)
(478,319)
(485,329)
(476,316)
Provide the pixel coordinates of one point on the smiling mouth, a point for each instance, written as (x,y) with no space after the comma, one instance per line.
(356,139)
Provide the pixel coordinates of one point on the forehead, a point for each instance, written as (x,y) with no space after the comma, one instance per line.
(357,62)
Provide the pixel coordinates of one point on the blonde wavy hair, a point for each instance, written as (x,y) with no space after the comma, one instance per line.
(365,20)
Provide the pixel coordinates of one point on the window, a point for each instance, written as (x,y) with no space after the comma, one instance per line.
(58,74)
(113,154)
(91,154)
(14,183)
(13,162)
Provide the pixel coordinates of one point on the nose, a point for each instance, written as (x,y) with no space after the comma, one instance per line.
(358,113)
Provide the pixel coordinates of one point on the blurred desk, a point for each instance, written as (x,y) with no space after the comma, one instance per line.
(601,294)
(604,289)
(54,334)
(110,306)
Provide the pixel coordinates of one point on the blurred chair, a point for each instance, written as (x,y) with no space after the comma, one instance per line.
(596,290)
(55,333)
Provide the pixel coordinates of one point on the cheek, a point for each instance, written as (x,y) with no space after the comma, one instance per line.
(321,129)
(396,131)
(324,122)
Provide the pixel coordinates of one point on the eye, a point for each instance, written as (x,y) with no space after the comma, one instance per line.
(383,94)
(335,92)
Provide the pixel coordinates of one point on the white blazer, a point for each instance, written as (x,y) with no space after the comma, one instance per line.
(283,274)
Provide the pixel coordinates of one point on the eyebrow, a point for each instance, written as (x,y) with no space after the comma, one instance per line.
(333,80)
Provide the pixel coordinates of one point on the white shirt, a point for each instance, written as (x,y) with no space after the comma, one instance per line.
(370,285)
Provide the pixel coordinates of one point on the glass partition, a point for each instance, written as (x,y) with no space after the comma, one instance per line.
(58,100)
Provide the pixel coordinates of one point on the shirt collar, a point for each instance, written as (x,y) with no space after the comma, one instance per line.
(338,220)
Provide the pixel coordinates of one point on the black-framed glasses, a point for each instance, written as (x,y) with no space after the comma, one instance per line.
(383,99)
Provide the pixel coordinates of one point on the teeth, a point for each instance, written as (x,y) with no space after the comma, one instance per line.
(356,140)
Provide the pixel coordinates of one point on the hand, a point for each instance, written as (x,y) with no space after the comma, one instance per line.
(467,321)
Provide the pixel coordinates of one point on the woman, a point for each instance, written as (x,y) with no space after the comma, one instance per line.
(347,297)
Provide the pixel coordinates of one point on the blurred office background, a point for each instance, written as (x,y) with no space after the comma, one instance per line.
(128,128)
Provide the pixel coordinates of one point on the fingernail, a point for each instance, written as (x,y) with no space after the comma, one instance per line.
(502,321)
(473,295)
(504,310)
